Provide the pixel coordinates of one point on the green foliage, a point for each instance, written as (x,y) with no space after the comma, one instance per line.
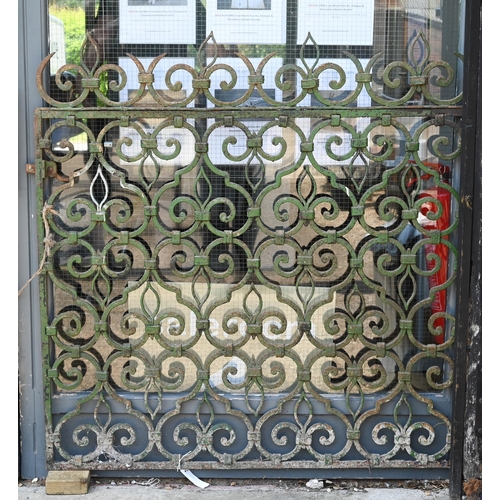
(74,28)
(66,4)
(261,50)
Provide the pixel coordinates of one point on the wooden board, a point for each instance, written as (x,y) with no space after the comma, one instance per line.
(67,482)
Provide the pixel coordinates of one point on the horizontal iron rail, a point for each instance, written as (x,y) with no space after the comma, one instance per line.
(246,113)
(256,464)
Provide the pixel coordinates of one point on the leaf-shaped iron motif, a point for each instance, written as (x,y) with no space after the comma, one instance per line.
(255,410)
(355,169)
(407,287)
(101,288)
(152,386)
(355,302)
(150,302)
(142,167)
(419,52)
(99,196)
(205,405)
(253,296)
(305,287)
(309,38)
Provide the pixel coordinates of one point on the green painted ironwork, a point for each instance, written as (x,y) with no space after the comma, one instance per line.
(241,297)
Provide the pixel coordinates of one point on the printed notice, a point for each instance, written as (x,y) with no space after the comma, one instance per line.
(158,21)
(336,22)
(247,21)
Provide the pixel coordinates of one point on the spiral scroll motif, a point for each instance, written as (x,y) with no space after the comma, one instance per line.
(279,306)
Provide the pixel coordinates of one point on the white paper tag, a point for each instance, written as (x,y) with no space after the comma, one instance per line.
(196,481)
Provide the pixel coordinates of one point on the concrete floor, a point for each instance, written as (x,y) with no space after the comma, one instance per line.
(231,490)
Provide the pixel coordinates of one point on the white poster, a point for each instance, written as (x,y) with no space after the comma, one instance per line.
(247,21)
(153,126)
(336,22)
(158,21)
(254,126)
(323,135)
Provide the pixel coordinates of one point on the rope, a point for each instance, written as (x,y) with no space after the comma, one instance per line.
(48,241)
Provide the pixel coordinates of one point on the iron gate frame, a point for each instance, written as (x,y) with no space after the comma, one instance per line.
(43,169)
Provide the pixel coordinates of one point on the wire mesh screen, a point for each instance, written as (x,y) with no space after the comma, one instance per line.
(251,211)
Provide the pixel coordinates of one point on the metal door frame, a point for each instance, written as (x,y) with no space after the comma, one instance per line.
(31,398)
(467,386)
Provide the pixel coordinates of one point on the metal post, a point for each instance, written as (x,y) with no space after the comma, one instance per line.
(469,216)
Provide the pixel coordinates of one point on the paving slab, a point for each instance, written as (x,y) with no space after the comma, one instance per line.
(217,492)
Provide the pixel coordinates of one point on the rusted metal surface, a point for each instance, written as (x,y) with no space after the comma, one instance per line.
(285,281)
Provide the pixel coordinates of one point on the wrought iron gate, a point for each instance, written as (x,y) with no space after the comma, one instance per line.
(254,279)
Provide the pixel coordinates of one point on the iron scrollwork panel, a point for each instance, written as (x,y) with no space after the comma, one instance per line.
(248,287)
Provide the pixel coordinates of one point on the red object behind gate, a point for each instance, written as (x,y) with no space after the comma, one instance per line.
(443,196)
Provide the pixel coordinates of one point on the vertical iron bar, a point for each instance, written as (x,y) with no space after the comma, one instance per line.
(33,45)
(292,44)
(471,128)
